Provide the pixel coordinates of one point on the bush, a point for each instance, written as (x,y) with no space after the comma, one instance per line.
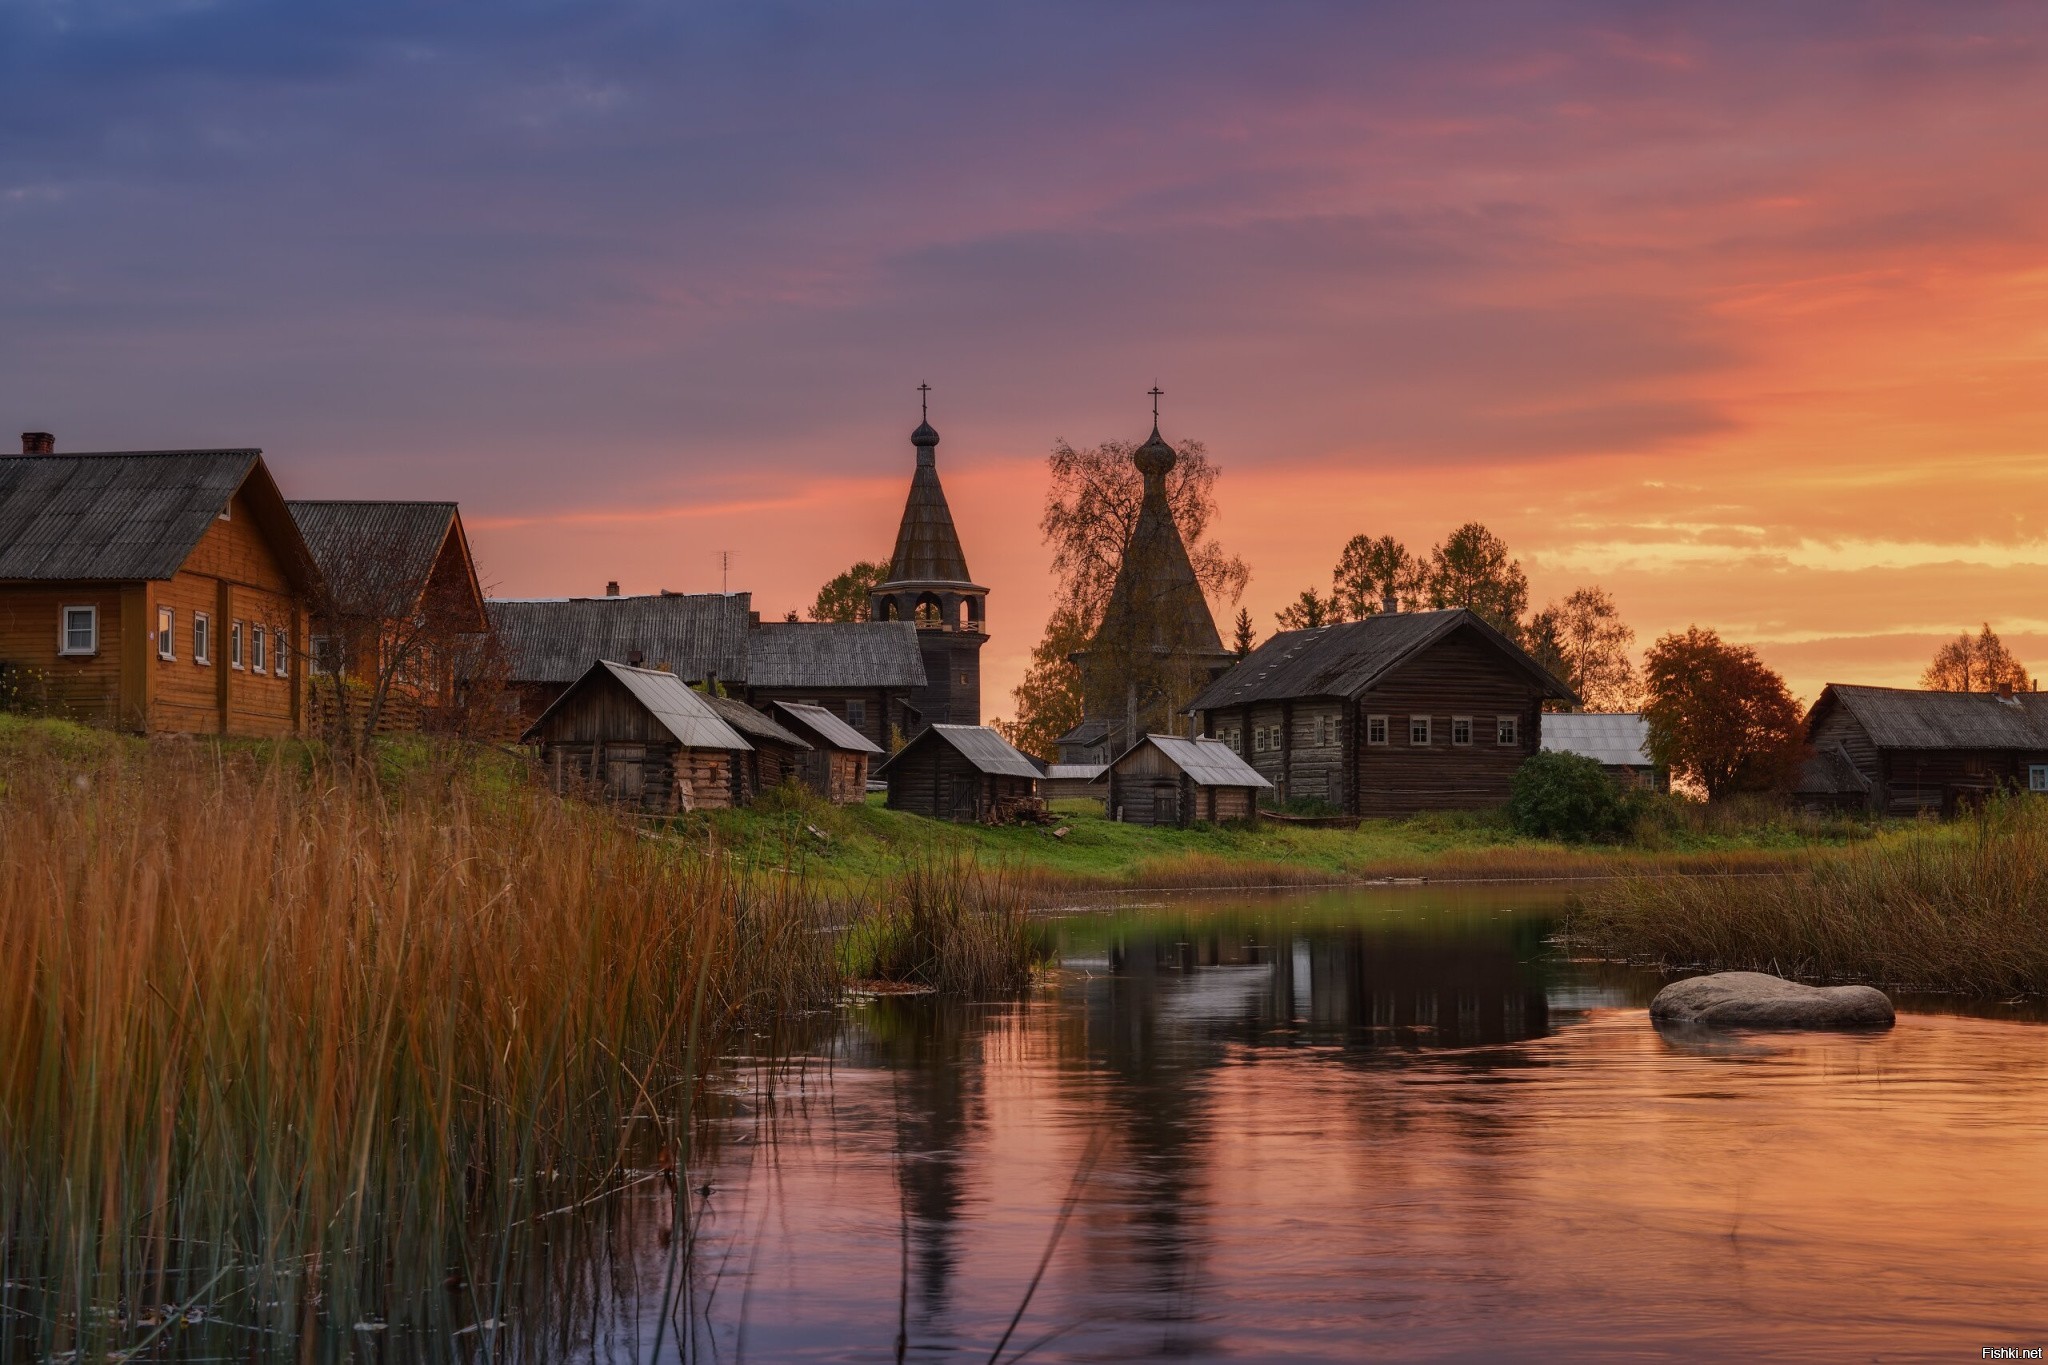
(1569,797)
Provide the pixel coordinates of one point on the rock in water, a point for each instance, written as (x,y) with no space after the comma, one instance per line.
(1757,1000)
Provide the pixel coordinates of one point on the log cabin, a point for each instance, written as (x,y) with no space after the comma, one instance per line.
(1389,716)
(638,737)
(1619,742)
(1170,781)
(864,672)
(160,592)
(963,773)
(1075,782)
(776,754)
(549,643)
(836,767)
(399,596)
(1899,751)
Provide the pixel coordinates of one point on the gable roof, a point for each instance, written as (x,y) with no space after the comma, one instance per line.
(982,747)
(380,555)
(826,654)
(1208,762)
(1830,772)
(750,722)
(1616,741)
(683,713)
(1349,658)
(132,515)
(824,727)
(1906,718)
(554,640)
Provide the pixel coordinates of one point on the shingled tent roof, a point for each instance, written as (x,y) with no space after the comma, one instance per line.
(752,723)
(1345,660)
(1904,718)
(835,654)
(380,554)
(130,515)
(927,547)
(555,640)
(982,747)
(1157,601)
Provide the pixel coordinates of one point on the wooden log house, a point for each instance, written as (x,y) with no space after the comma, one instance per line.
(1389,716)
(963,773)
(549,643)
(1899,751)
(863,672)
(639,737)
(161,592)
(777,754)
(836,767)
(1619,742)
(1170,781)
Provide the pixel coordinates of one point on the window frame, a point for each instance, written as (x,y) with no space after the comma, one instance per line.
(202,638)
(92,616)
(1507,731)
(1383,726)
(257,652)
(281,652)
(236,638)
(1424,725)
(167,633)
(857,712)
(1258,739)
(2037,777)
(1466,722)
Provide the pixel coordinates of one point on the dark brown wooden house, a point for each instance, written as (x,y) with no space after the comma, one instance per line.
(1167,780)
(777,755)
(1896,751)
(863,672)
(958,772)
(1395,714)
(549,643)
(836,767)
(640,737)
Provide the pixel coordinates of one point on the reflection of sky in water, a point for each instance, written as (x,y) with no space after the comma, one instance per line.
(1326,1129)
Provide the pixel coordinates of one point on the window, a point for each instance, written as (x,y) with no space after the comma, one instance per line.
(1418,729)
(1505,730)
(235,645)
(2037,777)
(81,632)
(202,638)
(1259,739)
(323,654)
(856,714)
(256,649)
(1375,729)
(166,621)
(284,650)
(1461,729)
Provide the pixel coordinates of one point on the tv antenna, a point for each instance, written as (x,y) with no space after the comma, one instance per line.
(724,570)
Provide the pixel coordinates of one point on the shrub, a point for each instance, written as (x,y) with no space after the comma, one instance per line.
(1567,796)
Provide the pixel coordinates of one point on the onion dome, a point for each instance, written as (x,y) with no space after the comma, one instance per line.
(1155,458)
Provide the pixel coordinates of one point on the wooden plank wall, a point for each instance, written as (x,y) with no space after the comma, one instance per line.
(82,688)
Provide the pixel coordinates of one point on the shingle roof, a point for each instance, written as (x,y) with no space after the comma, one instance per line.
(824,727)
(752,723)
(1347,659)
(927,546)
(378,555)
(979,745)
(1209,762)
(1087,732)
(1902,718)
(685,714)
(1617,741)
(824,654)
(555,640)
(121,515)
(1157,602)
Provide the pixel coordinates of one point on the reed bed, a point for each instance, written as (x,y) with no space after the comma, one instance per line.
(1962,908)
(285,1051)
(951,926)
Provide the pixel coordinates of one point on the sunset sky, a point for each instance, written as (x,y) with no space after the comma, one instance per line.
(1738,311)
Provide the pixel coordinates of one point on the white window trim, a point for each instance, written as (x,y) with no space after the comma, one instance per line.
(202,638)
(280,652)
(1386,729)
(2037,777)
(64,649)
(1427,732)
(167,633)
(256,650)
(235,645)
(1465,721)
(1507,730)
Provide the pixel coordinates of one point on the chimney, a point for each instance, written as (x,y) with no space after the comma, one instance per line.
(753,617)
(611,589)
(2005,689)
(1389,603)
(38,443)
(635,658)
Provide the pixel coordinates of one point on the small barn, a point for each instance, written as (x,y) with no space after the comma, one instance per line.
(1898,751)
(1619,743)
(641,737)
(777,754)
(1075,781)
(964,773)
(836,767)
(1166,780)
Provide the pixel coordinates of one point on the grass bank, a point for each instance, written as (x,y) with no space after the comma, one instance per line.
(1960,907)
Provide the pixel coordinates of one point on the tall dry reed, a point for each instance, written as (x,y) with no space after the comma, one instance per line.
(311,1052)
(951,925)
(1962,907)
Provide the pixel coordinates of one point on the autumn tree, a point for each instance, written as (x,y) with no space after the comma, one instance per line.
(1242,638)
(1585,643)
(1979,663)
(1371,573)
(1719,716)
(848,597)
(1308,611)
(1471,569)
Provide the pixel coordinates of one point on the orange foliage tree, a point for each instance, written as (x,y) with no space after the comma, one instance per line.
(1719,716)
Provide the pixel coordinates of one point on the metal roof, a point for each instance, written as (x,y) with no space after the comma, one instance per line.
(683,713)
(832,654)
(825,727)
(1208,762)
(750,722)
(1075,772)
(1902,718)
(1616,741)
(696,635)
(378,555)
(979,745)
(127,515)
(927,546)
(1347,659)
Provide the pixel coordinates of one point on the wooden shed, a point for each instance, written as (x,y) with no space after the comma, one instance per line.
(1898,751)
(1167,780)
(958,772)
(641,737)
(776,757)
(1075,782)
(1618,742)
(836,767)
